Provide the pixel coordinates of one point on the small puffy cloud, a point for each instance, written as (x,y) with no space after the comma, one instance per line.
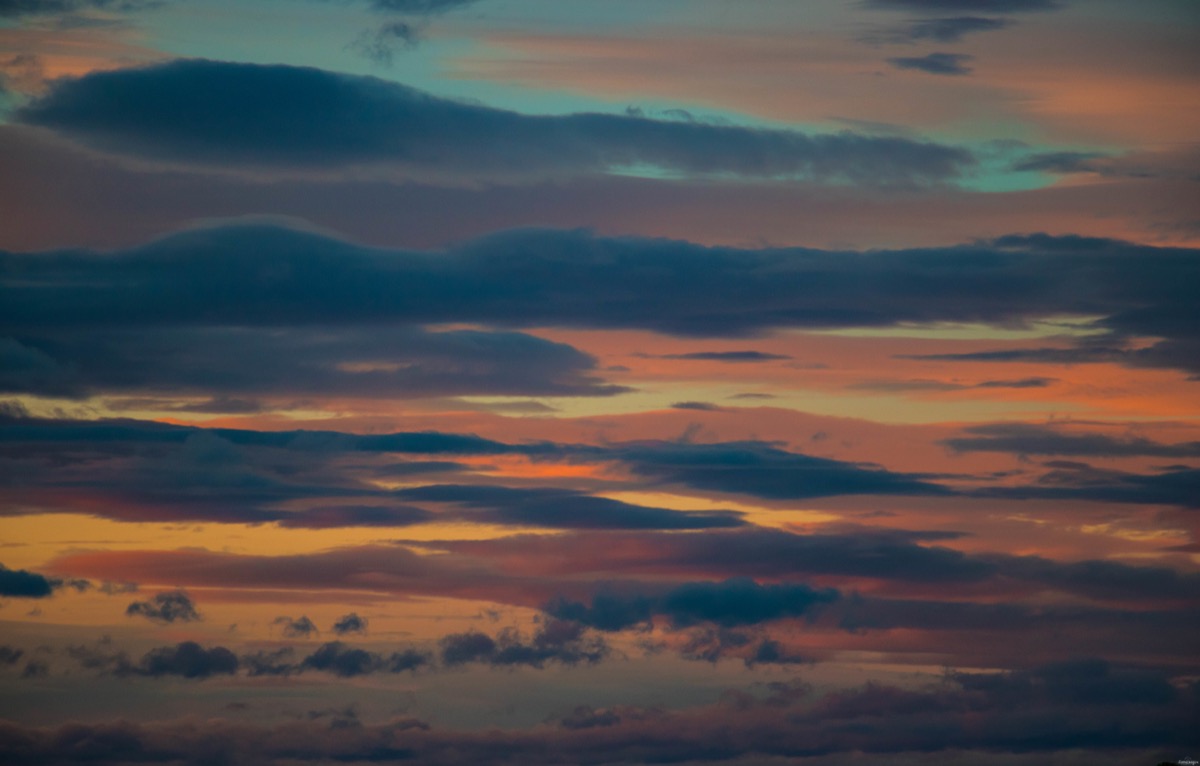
(734,602)
(301,627)
(561,641)
(471,646)
(188,659)
(350,623)
(342,660)
(19,583)
(173,606)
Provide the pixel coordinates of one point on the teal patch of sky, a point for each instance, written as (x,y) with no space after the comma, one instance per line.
(322,34)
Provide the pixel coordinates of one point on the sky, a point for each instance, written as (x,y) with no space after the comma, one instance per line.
(535,382)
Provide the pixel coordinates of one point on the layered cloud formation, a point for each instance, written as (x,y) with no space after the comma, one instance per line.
(472,382)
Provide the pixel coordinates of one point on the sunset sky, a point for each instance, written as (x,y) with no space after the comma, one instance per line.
(541,382)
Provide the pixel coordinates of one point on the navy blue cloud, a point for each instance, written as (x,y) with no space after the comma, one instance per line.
(1173,485)
(252,277)
(419,7)
(974,6)
(350,623)
(1052,714)
(1032,439)
(935,63)
(19,8)
(761,470)
(731,603)
(173,606)
(23,584)
(201,111)
(188,659)
(398,362)
(727,356)
(562,509)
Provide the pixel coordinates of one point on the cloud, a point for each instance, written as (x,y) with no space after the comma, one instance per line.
(472,646)
(1058,714)
(561,641)
(419,7)
(935,63)
(356,516)
(342,660)
(19,583)
(298,628)
(350,623)
(232,363)
(918,385)
(1174,485)
(953,29)
(727,356)
(172,606)
(337,658)
(188,659)
(727,604)
(19,8)
(716,644)
(380,43)
(279,286)
(1062,162)
(1033,439)
(697,406)
(562,509)
(761,470)
(270,662)
(975,6)
(238,115)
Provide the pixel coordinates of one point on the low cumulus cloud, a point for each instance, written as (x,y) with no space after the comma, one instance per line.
(350,623)
(173,606)
(730,603)
(301,627)
(234,115)
(187,660)
(20,583)
(561,641)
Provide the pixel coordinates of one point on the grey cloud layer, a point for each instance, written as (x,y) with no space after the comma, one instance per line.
(199,111)
(141,471)
(19,8)
(1085,707)
(201,283)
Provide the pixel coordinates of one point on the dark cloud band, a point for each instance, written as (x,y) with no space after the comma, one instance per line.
(227,114)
